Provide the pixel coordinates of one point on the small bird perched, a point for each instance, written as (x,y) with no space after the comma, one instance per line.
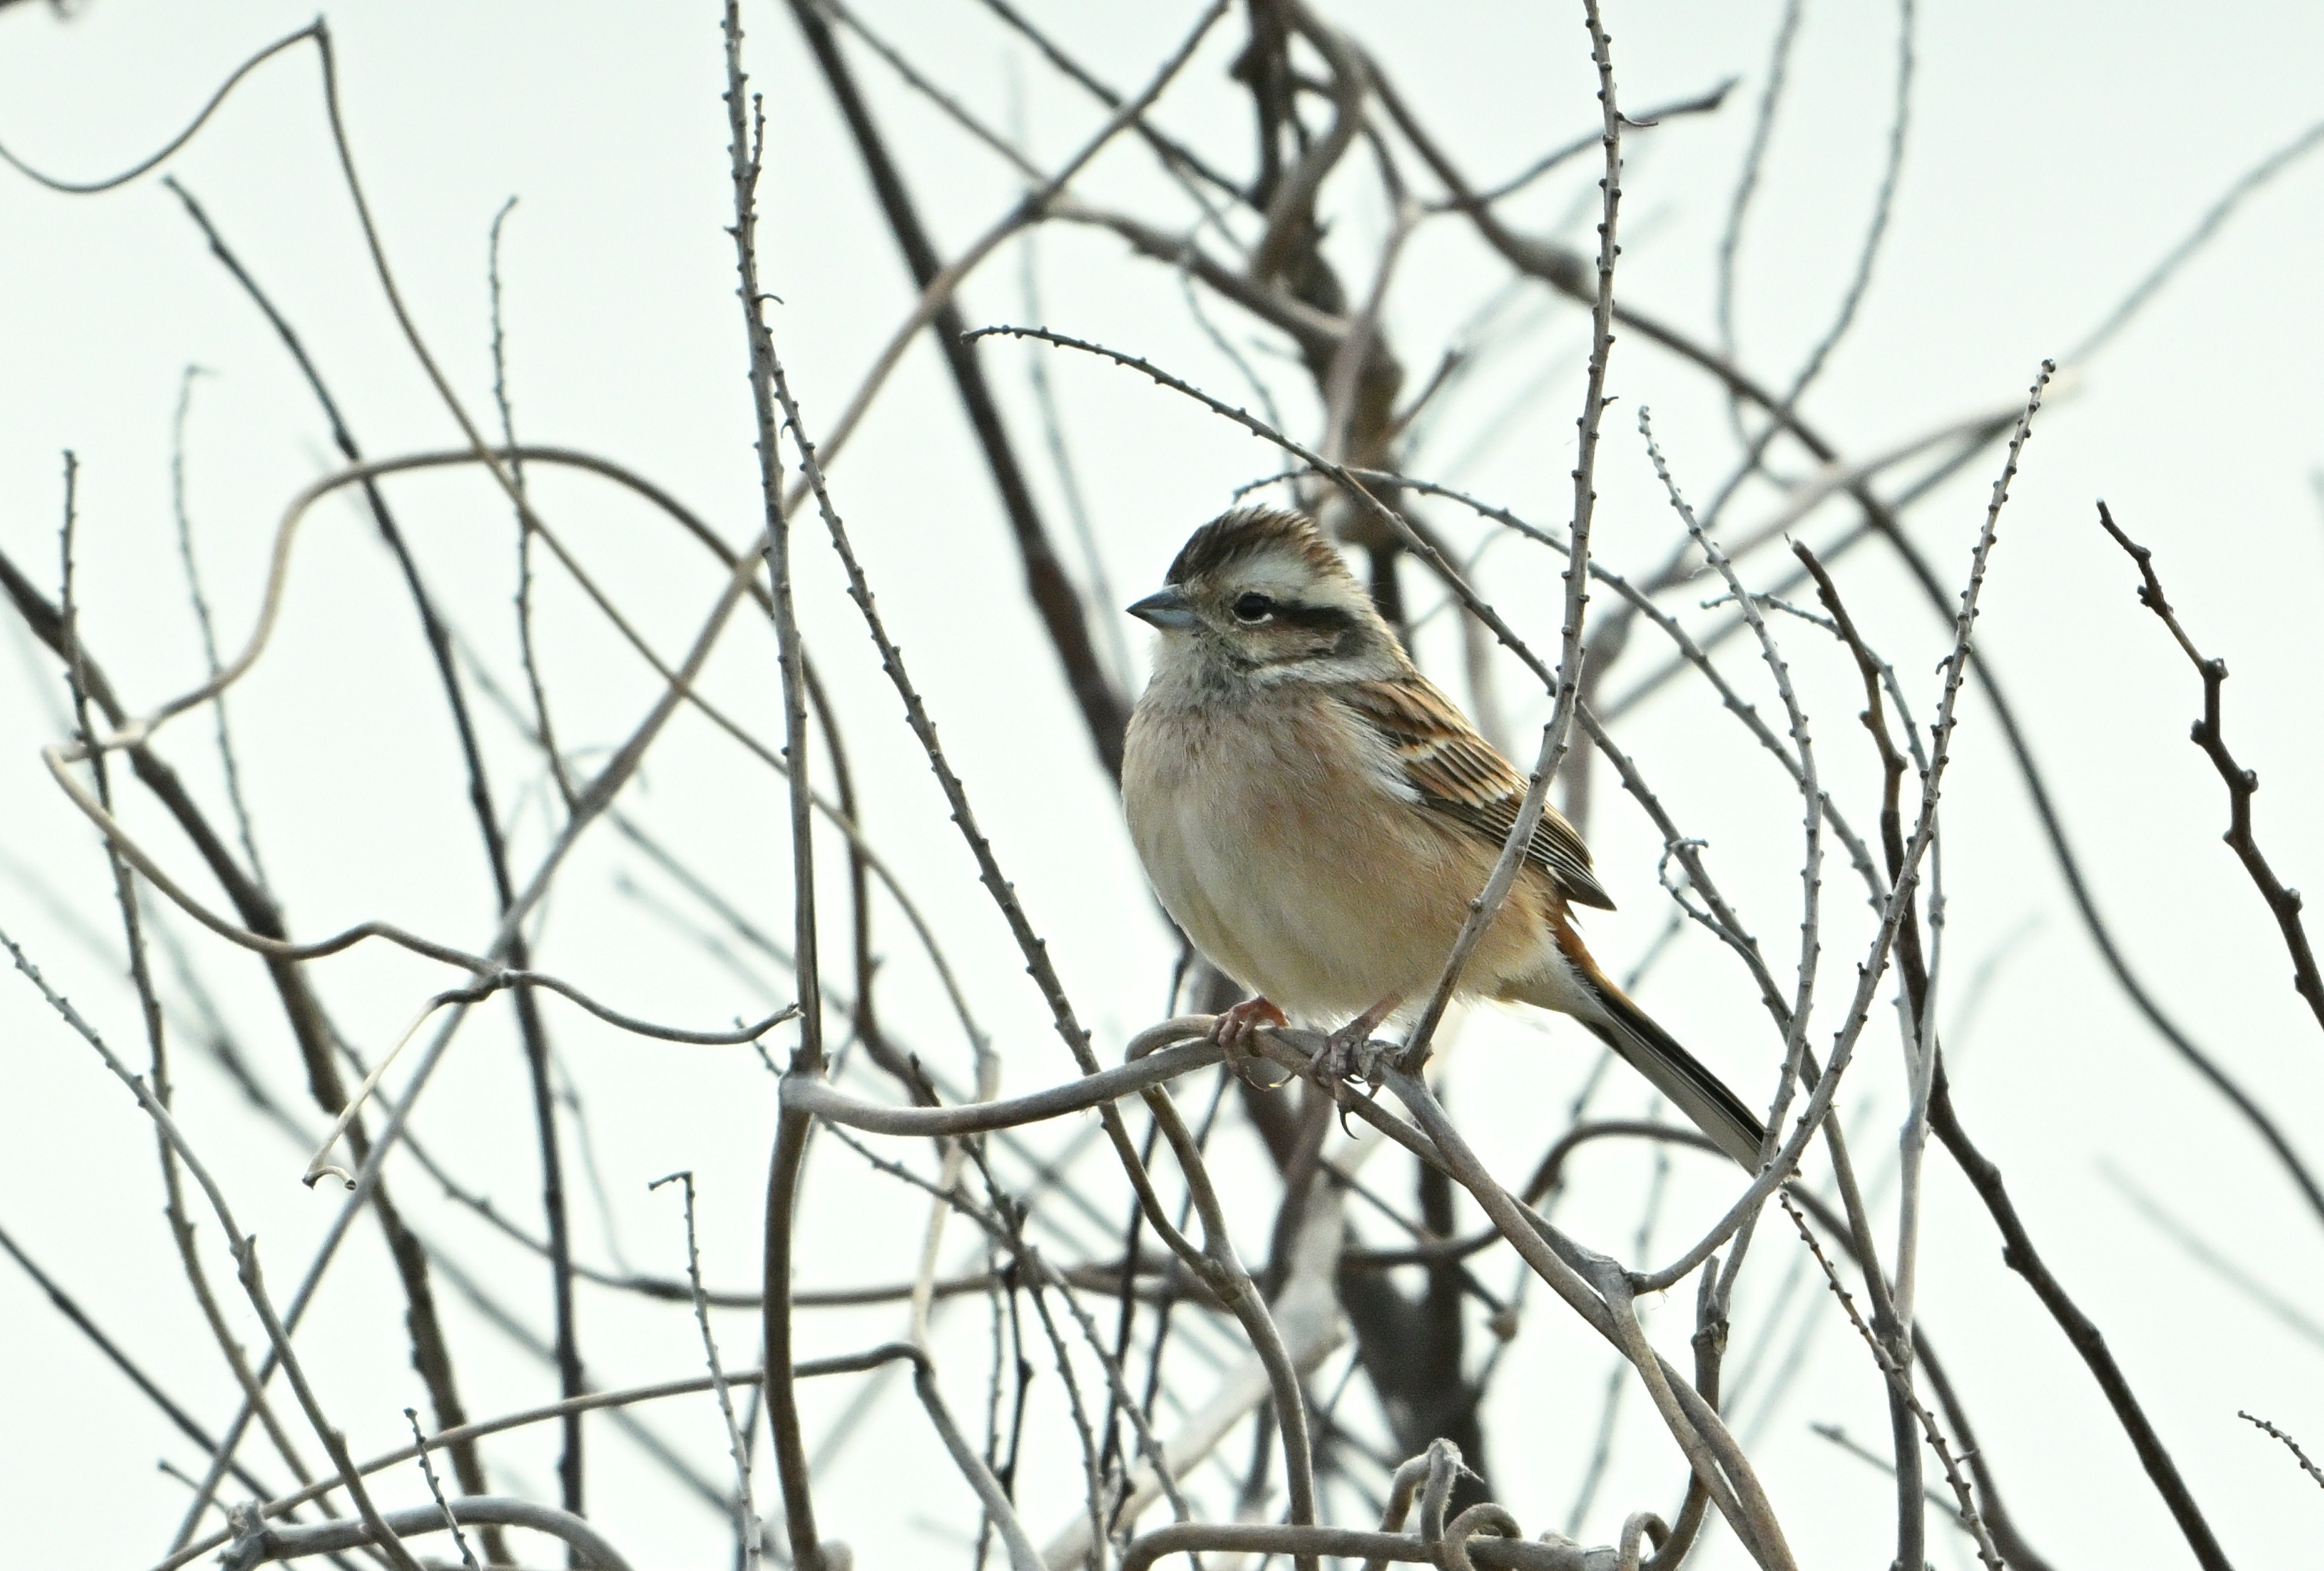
(1316,815)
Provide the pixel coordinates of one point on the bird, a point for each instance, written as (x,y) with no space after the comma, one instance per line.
(1317,816)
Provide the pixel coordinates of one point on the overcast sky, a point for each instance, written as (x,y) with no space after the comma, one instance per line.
(2056,155)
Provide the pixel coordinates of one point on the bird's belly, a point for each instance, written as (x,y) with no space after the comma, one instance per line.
(1310,886)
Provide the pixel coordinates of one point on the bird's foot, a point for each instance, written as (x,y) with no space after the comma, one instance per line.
(1350,1054)
(1233,1028)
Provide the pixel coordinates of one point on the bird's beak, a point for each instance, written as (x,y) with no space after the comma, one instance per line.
(1166,608)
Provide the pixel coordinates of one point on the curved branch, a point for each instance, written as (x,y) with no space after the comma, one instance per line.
(823,1100)
(262,1544)
(314,30)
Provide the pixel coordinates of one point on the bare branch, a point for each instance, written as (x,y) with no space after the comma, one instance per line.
(2242,784)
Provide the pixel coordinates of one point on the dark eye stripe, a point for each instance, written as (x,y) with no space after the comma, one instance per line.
(1315,618)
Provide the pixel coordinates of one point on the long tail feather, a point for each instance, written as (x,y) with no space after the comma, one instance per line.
(1678,1074)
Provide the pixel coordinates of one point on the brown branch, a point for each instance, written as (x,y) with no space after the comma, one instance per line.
(1894,1345)
(2242,784)
(746,132)
(303,1010)
(141,974)
(1051,589)
(2020,1254)
(65,1304)
(1563,269)
(1899,1382)
(531,1029)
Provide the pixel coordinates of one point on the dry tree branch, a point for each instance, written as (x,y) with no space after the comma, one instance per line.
(1548,1174)
(244,1247)
(1899,1382)
(435,1494)
(2242,784)
(228,760)
(1706,102)
(260,1544)
(2207,226)
(531,1029)
(442,1440)
(1003,1223)
(1811,793)
(1867,253)
(186,1424)
(839,815)
(746,1517)
(1494,1551)
(1902,877)
(1892,1309)
(133,734)
(1215,1258)
(2290,1445)
(2018,1250)
(1554,735)
(1603,1293)
(314,30)
(937,289)
(745,144)
(2020,1255)
(1174,155)
(1747,186)
(1797,1060)
(609,780)
(821,1100)
(1103,710)
(141,975)
(848,1364)
(2280,1305)
(258,909)
(1564,271)
(528,656)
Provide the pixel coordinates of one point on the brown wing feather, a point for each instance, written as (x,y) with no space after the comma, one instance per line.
(1457,772)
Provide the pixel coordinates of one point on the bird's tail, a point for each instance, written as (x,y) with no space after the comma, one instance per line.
(1676,1073)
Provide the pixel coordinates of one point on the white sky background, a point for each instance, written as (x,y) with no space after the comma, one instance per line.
(2056,153)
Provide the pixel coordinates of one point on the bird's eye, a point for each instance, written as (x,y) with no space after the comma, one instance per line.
(1253,607)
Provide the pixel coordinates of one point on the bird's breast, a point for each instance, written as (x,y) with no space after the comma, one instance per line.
(1275,834)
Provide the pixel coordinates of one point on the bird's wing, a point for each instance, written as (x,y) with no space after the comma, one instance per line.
(1457,772)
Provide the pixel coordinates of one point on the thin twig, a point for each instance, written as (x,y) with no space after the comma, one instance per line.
(203,622)
(2242,784)
(65,1304)
(435,1494)
(745,142)
(1103,711)
(1556,733)
(245,1252)
(746,1517)
(1899,1383)
(2290,1445)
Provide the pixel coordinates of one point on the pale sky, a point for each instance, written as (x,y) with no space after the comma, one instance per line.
(2056,153)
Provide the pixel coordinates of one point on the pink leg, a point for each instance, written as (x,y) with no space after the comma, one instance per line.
(1233,1031)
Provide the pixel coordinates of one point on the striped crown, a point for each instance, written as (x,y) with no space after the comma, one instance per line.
(1249,532)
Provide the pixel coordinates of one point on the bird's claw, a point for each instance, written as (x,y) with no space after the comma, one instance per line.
(1236,1026)
(1350,1055)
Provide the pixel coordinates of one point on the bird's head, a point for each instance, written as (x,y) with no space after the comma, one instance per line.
(1258,596)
